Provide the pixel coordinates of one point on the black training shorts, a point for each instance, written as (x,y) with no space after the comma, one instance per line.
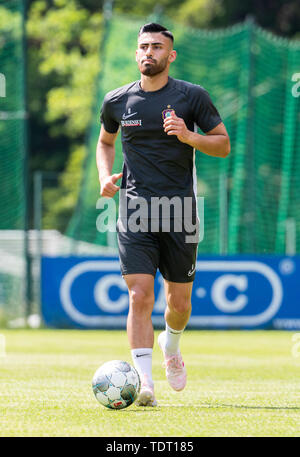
(145,252)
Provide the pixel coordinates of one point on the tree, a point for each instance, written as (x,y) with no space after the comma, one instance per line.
(281,17)
(64,59)
(64,42)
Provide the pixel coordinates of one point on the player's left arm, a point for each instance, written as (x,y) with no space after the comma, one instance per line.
(215,142)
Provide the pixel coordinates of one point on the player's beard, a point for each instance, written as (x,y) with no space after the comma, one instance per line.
(153,68)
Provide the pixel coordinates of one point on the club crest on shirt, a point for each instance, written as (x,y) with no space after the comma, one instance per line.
(167,112)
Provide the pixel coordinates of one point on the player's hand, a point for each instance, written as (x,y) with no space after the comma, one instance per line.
(108,185)
(174,125)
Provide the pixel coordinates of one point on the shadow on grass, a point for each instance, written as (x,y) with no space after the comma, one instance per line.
(219,406)
(294,408)
(139,410)
(161,407)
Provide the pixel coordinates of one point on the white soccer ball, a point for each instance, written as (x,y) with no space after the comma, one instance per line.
(116,384)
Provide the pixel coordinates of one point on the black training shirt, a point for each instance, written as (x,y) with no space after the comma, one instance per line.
(157,164)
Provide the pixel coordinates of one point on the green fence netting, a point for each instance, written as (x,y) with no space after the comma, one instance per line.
(12,156)
(252,198)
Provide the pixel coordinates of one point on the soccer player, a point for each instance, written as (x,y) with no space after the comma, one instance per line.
(157,115)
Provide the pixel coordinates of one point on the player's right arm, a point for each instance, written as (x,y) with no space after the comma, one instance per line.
(105,157)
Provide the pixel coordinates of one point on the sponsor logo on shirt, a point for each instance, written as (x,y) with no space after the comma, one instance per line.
(132,123)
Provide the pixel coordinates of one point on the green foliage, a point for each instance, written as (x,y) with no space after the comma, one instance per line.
(64,43)
(61,199)
(144,8)
(64,58)
(10,24)
(66,40)
(200,13)
(12,137)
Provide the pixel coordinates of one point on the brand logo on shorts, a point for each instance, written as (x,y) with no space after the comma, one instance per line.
(192,270)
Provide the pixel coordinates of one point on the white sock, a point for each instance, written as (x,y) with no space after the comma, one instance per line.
(142,359)
(172,338)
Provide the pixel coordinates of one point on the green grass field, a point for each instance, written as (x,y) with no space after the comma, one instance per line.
(239,384)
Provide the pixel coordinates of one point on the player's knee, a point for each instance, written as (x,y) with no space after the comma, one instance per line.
(141,299)
(180,305)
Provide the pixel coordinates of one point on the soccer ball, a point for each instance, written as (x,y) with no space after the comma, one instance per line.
(116,384)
